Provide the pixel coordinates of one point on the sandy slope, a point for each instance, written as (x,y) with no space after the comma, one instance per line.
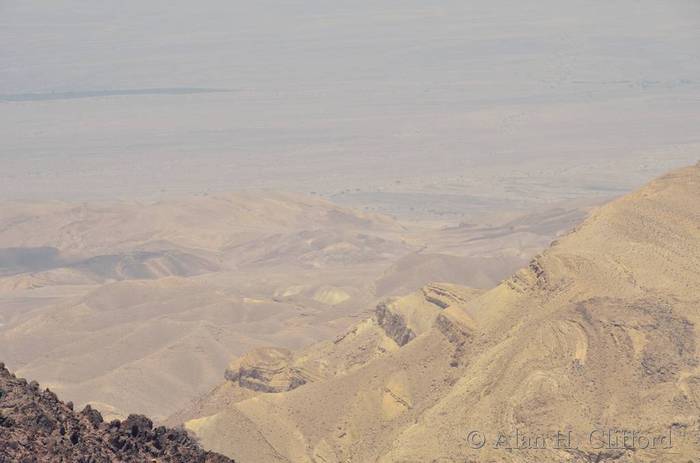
(138,307)
(597,333)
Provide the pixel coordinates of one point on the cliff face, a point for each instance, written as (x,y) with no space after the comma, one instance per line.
(394,325)
(35,426)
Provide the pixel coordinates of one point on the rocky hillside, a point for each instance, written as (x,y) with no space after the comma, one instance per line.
(35,426)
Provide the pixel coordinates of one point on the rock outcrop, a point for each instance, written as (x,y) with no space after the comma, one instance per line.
(404,318)
(266,369)
(35,426)
(394,325)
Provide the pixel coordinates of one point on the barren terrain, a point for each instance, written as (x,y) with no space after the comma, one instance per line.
(597,334)
(138,307)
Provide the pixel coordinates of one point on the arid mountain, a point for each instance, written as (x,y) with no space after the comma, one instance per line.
(35,426)
(393,324)
(594,340)
(139,307)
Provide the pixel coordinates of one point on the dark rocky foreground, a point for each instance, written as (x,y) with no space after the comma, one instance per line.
(35,426)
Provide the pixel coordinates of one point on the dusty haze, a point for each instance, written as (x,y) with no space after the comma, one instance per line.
(385,104)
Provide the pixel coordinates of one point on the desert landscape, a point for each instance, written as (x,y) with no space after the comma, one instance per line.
(111,304)
(597,332)
(330,232)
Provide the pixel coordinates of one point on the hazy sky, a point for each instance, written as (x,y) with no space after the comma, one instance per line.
(112,98)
